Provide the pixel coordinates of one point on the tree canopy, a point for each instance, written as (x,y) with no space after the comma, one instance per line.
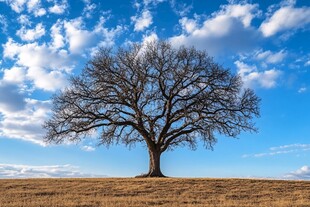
(156,94)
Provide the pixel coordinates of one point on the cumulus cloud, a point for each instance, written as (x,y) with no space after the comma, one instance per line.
(228,29)
(34,6)
(188,25)
(58,40)
(45,67)
(58,7)
(142,22)
(31,34)
(252,77)
(15,75)
(44,171)
(301,174)
(80,39)
(25,120)
(286,18)
(284,149)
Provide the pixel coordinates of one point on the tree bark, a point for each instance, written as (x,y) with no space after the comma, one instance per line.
(154,165)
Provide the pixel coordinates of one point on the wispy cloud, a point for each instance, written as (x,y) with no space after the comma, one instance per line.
(44,171)
(3,24)
(89,8)
(290,146)
(270,57)
(302,90)
(88,148)
(284,149)
(180,8)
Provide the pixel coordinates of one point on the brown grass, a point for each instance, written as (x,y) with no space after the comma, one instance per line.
(165,192)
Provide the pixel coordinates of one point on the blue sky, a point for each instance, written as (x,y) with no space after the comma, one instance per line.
(43,42)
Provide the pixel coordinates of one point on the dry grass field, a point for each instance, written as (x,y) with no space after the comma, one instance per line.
(164,192)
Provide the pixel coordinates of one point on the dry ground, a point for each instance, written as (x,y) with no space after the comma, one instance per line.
(165,192)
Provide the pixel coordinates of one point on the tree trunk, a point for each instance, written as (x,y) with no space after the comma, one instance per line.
(154,165)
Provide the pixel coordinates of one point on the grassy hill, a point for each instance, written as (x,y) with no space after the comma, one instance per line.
(164,192)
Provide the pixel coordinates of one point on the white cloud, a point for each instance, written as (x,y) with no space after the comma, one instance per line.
(270,153)
(77,37)
(142,22)
(58,8)
(307,63)
(26,122)
(49,80)
(149,38)
(45,67)
(252,77)
(152,2)
(289,146)
(284,19)
(16,5)
(58,40)
(48,64)
(44,171)
(24,20)
(188,25)
(80,39)
(227,30)
(88,148)
(270,57)
(284,149)
(243,12)
(14,75)
(39,12)
(301,174)
(34,6)
(31,34)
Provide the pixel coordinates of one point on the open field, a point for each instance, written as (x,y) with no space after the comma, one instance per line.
(164,192)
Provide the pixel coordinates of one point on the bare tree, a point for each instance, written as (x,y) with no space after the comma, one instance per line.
(156,94)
